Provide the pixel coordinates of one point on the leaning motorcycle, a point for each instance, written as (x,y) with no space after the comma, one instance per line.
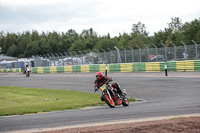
(111,96)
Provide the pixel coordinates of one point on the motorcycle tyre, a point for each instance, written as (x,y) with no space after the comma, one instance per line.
(125,101)
(27,74)
(109,102)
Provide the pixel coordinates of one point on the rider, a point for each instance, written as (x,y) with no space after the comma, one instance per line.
(100,80)
(27,68)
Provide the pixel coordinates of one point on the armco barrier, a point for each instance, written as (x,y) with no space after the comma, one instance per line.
(40,70)
(85,68)
(68,69)
(76,69)
(196,65)
(152,67)
(182,66)
(102,68)
(139,67)
(94,68)
(46,70)
(171,66)
(114,67)
(127,67)
(53,69)
(60,69)
(11,70)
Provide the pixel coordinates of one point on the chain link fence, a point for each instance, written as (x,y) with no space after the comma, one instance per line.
(124,55)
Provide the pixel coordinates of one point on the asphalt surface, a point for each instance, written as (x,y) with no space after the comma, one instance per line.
(176,94)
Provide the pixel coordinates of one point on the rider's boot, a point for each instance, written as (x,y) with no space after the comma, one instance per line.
(115,99)
(119,92)
(124,92)
(102,99)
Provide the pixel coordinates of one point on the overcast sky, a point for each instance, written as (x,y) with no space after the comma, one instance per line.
(104,16)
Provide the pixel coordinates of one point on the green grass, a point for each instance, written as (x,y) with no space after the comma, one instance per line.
(177,118)
(19,100)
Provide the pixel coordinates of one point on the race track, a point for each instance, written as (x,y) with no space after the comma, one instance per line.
(179,93)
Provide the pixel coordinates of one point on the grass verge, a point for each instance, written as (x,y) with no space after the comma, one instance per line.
(19,100)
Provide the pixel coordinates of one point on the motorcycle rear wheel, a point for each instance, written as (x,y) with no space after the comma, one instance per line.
(109,101)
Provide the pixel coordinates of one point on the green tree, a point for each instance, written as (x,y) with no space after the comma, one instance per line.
(44,47)
(175,24)
(32,49)
(35,36)
(105,43)
(191,31)
(76,46)
(162,37)
(139,28)
(23,41)
(13,51)
(124,40)
(9,40)
(89,38)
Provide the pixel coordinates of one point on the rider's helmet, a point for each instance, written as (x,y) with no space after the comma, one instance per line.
(99,76)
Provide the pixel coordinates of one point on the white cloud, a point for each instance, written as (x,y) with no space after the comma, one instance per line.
(104,16)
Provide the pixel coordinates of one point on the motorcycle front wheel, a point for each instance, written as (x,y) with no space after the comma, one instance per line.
(125,101)
(109,101)
(27,74)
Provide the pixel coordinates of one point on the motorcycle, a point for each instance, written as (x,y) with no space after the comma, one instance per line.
(111,96)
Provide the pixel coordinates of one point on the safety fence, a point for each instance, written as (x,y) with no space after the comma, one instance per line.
(188,65)
(150,53)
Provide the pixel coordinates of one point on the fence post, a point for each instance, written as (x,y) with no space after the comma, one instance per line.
(156,51)
(81,57)
(67,57)
(71,58)
(49,60)
(124,54)
(118,55)
(54,59)
(147,51)
(104,54)
(195,49)
(62,58)
(76,57)
(174,50)
(97,55)
(139,51)
(58,57)
(110,55)
(165,51)
(132,53)
(92,56)
(87,56)
(165,59)
(184,48)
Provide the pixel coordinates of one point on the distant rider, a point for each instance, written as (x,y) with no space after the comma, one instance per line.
(28,69)
(100,80)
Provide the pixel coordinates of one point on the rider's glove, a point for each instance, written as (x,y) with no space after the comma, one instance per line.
(96,88)
(109,80)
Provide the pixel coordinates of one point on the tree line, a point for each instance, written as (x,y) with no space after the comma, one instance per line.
(31,43)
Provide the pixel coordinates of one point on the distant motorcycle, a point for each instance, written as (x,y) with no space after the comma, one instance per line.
(108,97)
(28,70)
